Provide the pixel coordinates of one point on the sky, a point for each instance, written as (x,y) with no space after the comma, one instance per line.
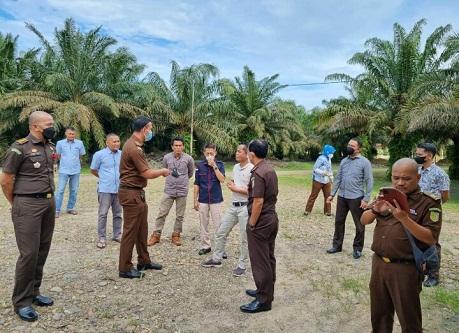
(302,41)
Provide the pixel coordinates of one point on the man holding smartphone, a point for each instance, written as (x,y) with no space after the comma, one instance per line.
(181,166)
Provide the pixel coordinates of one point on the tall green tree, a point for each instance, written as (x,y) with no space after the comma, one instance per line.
(191,99)
(394,74)
(256,112)
(74,82)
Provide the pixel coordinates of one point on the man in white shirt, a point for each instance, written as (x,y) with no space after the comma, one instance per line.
(236,214)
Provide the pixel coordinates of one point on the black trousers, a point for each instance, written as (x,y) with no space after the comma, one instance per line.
(342,208)
(33,220)
(261,242)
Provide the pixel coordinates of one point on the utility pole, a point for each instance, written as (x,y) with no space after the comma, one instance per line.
(192,117)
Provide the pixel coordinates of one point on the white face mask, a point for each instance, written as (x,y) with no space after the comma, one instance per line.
(330,156)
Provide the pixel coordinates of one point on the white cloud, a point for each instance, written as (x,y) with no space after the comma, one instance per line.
(303,41)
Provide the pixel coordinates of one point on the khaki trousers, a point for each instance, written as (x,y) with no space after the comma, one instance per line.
(135,228)
(33,220)
(205,211)
(164,208)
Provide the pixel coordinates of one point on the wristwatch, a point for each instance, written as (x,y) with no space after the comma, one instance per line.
(215,168)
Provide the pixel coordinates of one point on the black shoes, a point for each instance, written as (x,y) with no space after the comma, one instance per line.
(251,292)
(255,306)
(357,254)
(430,281)
(150,265)
(334,250)
(27,313)
(41,300)
(132,274)
(204,251)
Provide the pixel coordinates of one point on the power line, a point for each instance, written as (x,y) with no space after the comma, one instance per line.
(315,83)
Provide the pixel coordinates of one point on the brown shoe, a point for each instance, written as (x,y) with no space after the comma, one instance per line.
(154,238)
(175,239)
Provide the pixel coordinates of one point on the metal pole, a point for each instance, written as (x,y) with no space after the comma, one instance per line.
(192,117)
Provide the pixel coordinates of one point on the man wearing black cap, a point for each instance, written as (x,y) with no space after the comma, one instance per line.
(134,172)
(435,182)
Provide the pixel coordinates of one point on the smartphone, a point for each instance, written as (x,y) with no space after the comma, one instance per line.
(390,194)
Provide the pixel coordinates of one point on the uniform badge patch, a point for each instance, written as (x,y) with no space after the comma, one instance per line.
(434,214)
(36,165)
(34,150)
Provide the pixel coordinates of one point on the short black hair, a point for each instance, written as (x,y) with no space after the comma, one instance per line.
(177,138)
(244,145)
(429,147)
(259,147)
(210,146)
(140,122)
(70,128)
(358,140)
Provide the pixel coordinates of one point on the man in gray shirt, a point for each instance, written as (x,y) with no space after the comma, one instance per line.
(354,181)
(181,166)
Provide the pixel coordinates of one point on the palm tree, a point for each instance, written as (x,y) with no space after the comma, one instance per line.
(73,82)
(394,75)
(257,113)
(190,100)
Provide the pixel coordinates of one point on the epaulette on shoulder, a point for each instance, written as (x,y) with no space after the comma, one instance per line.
(431,196)
(22,141)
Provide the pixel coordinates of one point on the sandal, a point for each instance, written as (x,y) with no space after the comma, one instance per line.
(101,244)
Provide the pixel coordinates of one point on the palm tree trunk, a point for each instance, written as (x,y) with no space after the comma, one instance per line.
(453,157)
(400,146)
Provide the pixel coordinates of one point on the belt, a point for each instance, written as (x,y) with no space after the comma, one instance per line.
(135,188)
(396,260)
(36,195)
(239,204)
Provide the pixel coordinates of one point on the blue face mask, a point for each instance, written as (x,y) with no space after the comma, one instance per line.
(149,136)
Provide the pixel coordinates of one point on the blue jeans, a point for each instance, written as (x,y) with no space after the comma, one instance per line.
(74,182)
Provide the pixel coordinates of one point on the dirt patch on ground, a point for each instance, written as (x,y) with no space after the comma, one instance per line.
(315,292)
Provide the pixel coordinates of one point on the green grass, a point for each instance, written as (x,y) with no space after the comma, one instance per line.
(354,284)
(449,298)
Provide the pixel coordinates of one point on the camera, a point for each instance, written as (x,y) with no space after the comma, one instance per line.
(175,173)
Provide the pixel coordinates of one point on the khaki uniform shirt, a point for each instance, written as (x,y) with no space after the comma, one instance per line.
(133,163)
(389,237)
(32,161)
(263,184)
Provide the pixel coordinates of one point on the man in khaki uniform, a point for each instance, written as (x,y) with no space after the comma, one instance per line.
(262,227)
(134,173)
(395,282)
(28,184)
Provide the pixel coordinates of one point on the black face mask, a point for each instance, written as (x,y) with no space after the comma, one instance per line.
(420,159)
(49,133)
(349,150)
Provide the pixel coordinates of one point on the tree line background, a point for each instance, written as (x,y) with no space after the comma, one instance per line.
(408,92)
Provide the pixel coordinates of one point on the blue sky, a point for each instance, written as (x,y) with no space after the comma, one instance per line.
(303,41)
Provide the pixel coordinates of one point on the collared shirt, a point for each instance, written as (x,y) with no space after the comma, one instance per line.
(210,190)
(70,152)
(433,180)
(31,161)
(241,178)
(107,164)
(322,165)
(263,184)
(354,178)
(132,164)
(178,186)
(389,236)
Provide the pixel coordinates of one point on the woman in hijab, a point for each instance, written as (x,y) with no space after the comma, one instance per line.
(322,179)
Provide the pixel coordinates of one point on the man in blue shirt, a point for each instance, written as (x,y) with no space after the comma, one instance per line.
(435,181)
(69,153)
(208,196)
(106,166)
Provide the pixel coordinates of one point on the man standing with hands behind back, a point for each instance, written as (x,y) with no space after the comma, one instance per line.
(262,228)
(134,173)
(69,151)
(354,180)
(28,184)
